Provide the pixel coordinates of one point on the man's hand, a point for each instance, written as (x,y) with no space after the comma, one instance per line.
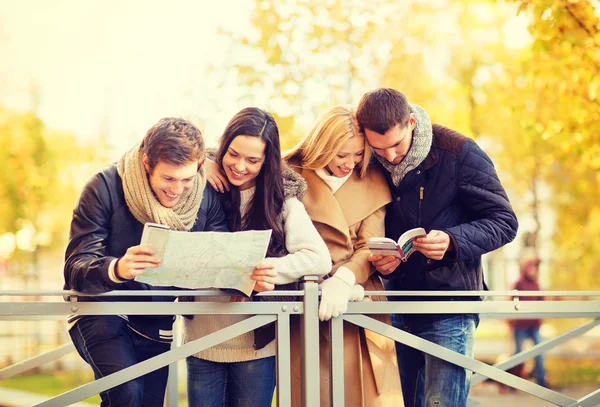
(385,265)
(434,245)
(264,275)
(135,262)
(215,177)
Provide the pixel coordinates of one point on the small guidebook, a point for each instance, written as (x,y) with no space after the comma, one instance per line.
(199,260)
(402,249)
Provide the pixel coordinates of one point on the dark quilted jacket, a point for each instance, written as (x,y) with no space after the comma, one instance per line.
(456,190)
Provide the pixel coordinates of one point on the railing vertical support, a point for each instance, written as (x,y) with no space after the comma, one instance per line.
(173,381)
(310,343)
(336,365)
(284,382)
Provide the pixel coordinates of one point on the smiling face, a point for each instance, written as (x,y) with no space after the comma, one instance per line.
(349,155)
(395,143)
(169,181)
(243,160)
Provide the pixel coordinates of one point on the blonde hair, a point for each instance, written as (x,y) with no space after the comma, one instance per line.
(332,129)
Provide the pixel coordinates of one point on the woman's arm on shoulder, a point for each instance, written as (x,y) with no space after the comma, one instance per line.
(308,254)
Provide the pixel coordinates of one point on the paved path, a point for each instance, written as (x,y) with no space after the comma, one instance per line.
(488,395)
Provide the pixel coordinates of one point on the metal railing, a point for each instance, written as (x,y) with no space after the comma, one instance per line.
(280,313)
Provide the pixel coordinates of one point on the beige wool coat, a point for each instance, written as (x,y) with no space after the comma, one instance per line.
(346,220)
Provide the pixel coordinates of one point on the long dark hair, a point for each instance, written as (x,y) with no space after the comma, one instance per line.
(267,203)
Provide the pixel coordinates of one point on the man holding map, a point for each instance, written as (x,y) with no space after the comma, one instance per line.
(160,180)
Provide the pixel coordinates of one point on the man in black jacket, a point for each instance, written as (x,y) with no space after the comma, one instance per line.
(443,182)
(160,180)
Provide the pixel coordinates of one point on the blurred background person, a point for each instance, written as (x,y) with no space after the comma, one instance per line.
(524,329)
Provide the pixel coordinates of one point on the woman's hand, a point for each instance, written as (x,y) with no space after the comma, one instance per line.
(215,177)
(264,275)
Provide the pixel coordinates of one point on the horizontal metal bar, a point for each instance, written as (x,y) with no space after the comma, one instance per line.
(157,362)
(144,293)
(539,349)
(147,308)
(504,293)
(565,309)
(36,361)
(458,359)
(202,293)
(509,309)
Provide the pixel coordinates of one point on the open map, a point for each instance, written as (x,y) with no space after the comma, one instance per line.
(206,259)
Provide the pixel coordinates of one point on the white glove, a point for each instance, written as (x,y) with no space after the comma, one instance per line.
(357,294)
(335,292)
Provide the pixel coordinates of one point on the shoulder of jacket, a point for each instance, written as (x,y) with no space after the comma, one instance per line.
(294,186)
(450,140)
(106,179)
(210,196)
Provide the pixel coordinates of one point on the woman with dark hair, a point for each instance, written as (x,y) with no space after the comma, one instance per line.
(261,196)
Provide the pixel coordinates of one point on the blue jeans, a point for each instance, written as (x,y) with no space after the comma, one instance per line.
(237,384)
(427,380)
(521,334)
(108,345)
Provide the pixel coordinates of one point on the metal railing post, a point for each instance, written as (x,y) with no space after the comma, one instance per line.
(173,380)
(284,382)
(310,343)
(336,361)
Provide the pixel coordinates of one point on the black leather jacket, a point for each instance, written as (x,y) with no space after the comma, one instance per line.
(103,229)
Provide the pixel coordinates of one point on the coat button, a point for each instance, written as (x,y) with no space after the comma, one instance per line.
(428,261)
(398,199)
(418,172)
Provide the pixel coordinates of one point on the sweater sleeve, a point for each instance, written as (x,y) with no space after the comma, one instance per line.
(307,252)
(372,226)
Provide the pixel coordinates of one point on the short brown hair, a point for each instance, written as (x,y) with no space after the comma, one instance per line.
(173,140)
(381,109)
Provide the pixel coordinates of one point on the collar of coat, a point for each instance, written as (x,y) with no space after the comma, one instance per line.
(353,202)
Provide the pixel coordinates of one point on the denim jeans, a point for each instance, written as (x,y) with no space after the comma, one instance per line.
(521,334)
(427,380)
(108,345)
(236,384)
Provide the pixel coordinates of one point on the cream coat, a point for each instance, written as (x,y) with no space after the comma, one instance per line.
(346,220)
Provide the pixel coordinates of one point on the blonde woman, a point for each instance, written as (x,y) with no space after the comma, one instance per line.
(346,202)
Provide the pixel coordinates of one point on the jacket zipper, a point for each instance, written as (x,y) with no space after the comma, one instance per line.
(421,193)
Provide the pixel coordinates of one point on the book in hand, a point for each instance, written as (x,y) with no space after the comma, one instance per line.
(199,260)
(402,249)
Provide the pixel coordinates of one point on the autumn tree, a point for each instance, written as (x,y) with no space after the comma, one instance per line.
(41,174)
(305,56)
(562,122)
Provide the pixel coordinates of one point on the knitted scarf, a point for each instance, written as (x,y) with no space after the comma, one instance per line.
(419,148)
(142,202)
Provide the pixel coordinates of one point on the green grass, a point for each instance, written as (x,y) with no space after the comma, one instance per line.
(50,385)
